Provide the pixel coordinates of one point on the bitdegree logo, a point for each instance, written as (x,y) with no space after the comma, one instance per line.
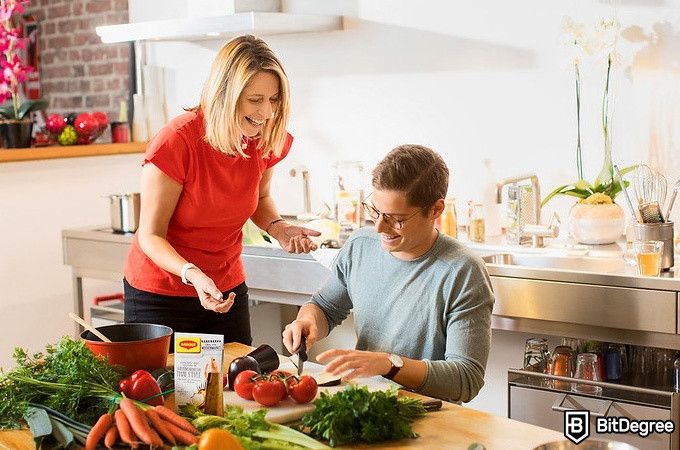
(577,426)
(624,425)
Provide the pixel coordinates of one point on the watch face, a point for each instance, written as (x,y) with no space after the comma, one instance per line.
(396,360)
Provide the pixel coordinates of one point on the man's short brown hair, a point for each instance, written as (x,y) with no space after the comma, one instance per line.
(417,171)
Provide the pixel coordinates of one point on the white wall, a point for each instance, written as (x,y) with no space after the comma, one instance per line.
(469,79)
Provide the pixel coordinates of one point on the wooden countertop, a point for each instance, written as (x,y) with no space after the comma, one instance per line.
(453,427)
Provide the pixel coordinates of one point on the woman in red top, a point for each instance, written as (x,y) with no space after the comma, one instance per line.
(204,175)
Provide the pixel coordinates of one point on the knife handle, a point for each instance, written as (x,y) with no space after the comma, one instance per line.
(432,404)
(302,349)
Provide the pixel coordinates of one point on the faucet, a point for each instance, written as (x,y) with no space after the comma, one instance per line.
(535,230)
(304,172)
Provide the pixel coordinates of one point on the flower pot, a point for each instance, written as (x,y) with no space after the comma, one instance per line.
(596,224)
(15,133)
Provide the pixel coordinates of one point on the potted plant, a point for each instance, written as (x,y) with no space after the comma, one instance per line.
(595,218)
(16,126)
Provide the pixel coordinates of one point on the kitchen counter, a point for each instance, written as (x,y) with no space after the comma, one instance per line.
(563,290)
(451,427)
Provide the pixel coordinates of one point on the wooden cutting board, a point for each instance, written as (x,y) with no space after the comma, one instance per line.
(288,410)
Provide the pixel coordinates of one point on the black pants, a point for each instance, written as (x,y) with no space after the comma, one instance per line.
(185,314)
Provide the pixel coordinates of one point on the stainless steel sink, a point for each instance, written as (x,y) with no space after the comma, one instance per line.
(571,263)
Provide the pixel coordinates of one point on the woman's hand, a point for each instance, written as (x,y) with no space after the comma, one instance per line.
(360,363)
(208,294)
(293,238)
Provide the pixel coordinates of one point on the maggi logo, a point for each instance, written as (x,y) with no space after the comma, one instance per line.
(188,344)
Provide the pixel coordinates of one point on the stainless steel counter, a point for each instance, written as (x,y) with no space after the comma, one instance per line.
(538,291)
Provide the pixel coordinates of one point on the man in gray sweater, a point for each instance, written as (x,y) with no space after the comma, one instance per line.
(422,302)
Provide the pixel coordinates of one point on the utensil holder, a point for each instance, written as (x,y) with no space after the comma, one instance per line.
(658,232)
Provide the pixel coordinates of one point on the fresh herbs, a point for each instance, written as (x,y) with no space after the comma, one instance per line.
(68,378)
(254,432)
(357,415)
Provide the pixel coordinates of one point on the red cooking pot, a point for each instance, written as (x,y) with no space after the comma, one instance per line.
(134,345)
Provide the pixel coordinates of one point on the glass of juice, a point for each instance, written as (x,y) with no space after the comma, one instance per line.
(648,256)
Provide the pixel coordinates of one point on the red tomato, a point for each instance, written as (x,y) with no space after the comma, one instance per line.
(303,390)
(244,383)
(268,393)
(285,378)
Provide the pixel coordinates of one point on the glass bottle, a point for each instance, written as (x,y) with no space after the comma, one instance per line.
(586,369)
(475,226)
(676,373)
(449,221)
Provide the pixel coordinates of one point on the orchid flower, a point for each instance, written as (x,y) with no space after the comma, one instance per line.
(13,69)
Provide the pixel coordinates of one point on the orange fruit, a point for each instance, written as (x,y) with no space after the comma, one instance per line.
(218,439)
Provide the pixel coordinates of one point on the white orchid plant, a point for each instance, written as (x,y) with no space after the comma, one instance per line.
(591,42)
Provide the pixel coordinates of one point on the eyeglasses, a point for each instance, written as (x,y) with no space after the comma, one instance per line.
(390,220)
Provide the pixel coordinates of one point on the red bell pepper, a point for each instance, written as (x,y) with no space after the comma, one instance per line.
(140,386)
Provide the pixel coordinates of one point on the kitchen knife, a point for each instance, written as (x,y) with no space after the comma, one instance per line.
(302,354)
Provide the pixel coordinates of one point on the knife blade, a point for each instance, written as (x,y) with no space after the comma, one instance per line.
(302,354)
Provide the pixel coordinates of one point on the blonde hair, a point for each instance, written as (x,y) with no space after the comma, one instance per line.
(234,66)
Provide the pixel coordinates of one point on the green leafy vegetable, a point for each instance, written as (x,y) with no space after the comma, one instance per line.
(67,378)
(357,415)
(254,432)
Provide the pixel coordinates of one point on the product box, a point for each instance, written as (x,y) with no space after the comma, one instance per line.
(196,357)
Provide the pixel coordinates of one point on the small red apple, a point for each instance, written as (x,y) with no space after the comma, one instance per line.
(55,123)
(85,125)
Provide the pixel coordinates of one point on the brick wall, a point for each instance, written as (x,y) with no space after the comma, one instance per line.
(78,72)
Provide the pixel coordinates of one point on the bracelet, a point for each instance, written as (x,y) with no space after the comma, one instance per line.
(280,219)
(183,273)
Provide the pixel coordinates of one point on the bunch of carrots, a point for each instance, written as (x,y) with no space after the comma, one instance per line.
(143,424)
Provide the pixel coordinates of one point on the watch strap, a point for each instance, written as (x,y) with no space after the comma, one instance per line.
(393,371)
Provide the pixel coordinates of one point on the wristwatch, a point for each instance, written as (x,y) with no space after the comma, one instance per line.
(397,364)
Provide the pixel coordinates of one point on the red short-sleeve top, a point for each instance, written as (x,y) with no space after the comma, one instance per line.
(219,194)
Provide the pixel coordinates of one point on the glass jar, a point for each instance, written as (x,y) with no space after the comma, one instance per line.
(536,355)
(586,369)
(449,220)
(475,225)
(349,193)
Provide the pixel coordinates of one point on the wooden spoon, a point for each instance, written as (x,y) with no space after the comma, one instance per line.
(89,327)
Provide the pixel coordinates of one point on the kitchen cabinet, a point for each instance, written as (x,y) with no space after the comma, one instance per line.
(532,400)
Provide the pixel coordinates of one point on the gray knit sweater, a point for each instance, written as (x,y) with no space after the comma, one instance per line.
(436,308)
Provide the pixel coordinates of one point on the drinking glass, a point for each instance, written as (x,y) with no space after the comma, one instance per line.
(536,355)
(648,255)
(562,364)
(586,369)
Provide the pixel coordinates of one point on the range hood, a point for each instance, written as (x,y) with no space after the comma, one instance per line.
(255,21)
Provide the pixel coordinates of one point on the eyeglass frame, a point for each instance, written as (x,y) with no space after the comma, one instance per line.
(387,218)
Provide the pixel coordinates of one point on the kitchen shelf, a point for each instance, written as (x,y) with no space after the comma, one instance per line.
(71,151)
(203,28)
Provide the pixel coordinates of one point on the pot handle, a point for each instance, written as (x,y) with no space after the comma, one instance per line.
(103,298)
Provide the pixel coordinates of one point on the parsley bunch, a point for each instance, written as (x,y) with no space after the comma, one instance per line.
(68,378)
(357,415)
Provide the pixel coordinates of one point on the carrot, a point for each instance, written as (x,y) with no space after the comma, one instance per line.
(175,419)
(126,434)
(137,421)
(111,437)
(159,425)
(182,436)
(157,441)
(98,431)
